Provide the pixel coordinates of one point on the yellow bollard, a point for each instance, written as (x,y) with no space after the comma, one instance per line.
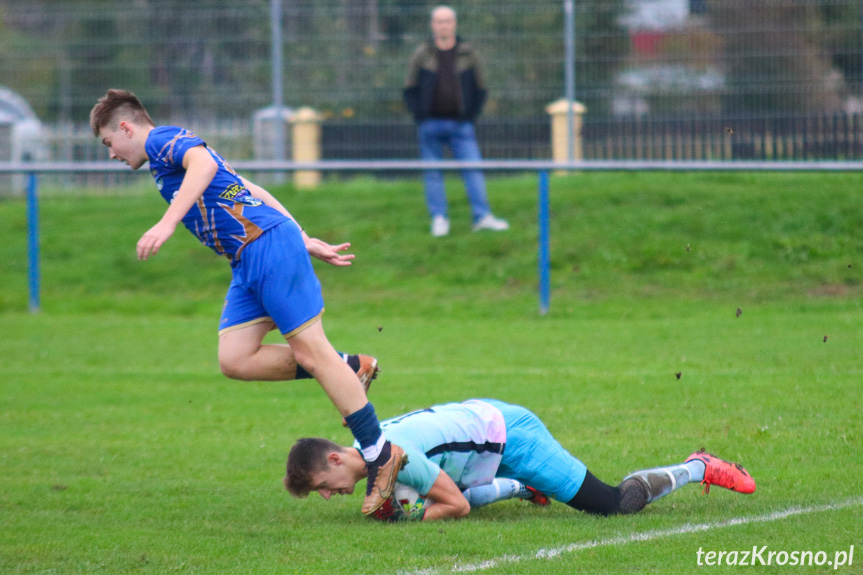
(306,134)
(559,141)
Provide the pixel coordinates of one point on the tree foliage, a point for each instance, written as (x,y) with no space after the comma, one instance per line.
(777,56)
(346,58)
(211,58)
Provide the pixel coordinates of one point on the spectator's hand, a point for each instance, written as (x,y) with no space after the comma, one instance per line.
(329,253)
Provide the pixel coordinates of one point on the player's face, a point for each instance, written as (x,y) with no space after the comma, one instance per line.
(123,146)
(335,480)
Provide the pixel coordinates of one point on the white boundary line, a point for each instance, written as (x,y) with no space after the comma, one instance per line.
(551,553)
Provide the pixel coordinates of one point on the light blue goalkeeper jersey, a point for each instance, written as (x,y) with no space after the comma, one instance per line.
(464,440)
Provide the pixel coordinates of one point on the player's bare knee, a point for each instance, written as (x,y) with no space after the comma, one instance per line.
(229,370)
(228,360)
(233,367)
(463,510)
(306,359)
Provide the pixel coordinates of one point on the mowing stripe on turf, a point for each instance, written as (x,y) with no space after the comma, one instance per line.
(636,538)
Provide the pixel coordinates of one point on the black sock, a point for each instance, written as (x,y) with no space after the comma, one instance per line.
(302,373)
(373,467)
(354,362)
(596,497)
(386,453)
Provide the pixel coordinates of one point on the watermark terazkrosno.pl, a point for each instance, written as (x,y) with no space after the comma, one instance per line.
(763,555)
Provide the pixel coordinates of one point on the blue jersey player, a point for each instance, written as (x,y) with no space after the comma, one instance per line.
(469,454)
(273,282)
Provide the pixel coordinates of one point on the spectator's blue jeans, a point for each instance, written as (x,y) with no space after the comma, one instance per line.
(461,139)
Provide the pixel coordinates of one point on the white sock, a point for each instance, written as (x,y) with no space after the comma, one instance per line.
(500,489)
(372,452)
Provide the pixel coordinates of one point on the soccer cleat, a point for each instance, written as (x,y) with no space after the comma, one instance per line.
(537,498)
(439,226)
(382,480)
(369,371)
(489,222)
(723,473)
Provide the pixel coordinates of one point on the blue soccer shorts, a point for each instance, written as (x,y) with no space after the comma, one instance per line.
(274,280)
(534,457)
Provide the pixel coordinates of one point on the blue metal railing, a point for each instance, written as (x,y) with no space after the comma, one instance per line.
(541,167)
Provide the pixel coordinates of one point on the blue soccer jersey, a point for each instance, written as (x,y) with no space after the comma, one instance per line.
(227,217)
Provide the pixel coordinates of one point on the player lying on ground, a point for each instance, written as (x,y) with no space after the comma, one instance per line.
(464,455)
(273,282)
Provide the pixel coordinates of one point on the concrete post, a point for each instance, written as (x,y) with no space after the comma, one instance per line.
(306,136)
(559,143)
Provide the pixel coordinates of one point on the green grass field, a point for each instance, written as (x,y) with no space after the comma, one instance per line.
(124,450)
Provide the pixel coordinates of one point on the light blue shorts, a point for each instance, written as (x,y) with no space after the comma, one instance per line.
(274,280)
(534,457)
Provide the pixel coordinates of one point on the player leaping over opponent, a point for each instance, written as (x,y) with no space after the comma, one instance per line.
(465,455)
(273,283)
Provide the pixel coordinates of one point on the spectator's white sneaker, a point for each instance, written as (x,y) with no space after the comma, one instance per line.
(489,222)
(439,226)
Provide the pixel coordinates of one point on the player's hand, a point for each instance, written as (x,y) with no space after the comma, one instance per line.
(329,253)
(153,239)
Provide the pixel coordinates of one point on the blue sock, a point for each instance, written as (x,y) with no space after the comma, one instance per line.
(696,470)
(365,426)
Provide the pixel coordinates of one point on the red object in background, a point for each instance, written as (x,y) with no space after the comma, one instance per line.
(646,42)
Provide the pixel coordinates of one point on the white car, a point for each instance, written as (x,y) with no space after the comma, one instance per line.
(28,138)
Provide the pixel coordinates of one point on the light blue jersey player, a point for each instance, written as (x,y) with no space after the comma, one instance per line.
(273,283)
(464,440)
(466,455)
(478,441)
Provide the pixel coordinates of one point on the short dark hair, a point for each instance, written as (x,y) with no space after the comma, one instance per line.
(307,457)
(117,105)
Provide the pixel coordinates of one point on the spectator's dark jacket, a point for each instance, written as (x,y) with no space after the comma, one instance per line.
(422,77)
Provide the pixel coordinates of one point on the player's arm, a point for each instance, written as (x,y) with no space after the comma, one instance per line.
(268,198)
(316,248)
(448,501)
(200,168)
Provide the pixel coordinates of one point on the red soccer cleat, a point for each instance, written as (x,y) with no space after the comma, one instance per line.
(723,473)
(537,498)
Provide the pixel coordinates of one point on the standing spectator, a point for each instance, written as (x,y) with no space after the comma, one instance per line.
(445,92)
